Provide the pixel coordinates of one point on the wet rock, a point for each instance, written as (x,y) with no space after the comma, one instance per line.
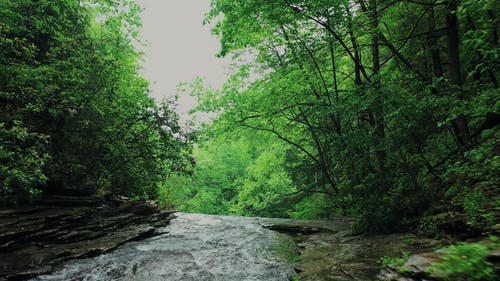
(417,265)
(196,247)
(300,227)
(415,269)
(36,239)
(494,256)
(297,229)
(339,256)
(70,201)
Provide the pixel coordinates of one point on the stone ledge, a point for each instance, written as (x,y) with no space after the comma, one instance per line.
(36,239)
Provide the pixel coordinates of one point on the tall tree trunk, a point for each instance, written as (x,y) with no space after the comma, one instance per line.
(338,124)
(437,67)
(325,162)
(453,42)
(374,38)
(459,124)
(355,47)
(461,129)
(378,110)
(494,29)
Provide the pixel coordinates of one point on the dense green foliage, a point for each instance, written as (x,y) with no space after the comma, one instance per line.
(74,110)
(397,263)
(467,262)
(374,108)
(377,109)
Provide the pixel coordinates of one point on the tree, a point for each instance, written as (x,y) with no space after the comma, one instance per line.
(75,111)
(359,89)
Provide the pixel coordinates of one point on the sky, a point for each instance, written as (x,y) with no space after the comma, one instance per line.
(179,48)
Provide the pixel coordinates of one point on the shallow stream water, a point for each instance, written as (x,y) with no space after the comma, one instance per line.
(195,247)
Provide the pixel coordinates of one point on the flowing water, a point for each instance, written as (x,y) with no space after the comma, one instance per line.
(195,247)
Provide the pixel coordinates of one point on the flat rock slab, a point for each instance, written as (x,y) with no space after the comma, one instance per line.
(36,239)
(328,251)
(301,227)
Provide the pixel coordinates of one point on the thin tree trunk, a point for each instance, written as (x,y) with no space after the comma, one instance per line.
(494,30)
(453,43)
(357,54)
(375,38)
(378,110)
(338,125)
(436,64)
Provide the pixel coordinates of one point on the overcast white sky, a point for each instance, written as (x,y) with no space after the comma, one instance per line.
(179,48)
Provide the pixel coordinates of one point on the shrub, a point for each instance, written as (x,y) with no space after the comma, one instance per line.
(466,262)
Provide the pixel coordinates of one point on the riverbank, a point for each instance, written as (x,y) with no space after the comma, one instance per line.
(71,242)
(329,251)
(36,239)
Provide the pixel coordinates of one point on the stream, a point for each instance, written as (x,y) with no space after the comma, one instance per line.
(224,248)
(194,247)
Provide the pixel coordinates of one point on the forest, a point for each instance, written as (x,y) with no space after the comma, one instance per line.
(75,111)
(386,111)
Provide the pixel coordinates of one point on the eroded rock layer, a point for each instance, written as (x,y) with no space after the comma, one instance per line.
(36,239)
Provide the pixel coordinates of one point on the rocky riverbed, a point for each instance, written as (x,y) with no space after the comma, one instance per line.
(134,241)
(328,251)
(194,247)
